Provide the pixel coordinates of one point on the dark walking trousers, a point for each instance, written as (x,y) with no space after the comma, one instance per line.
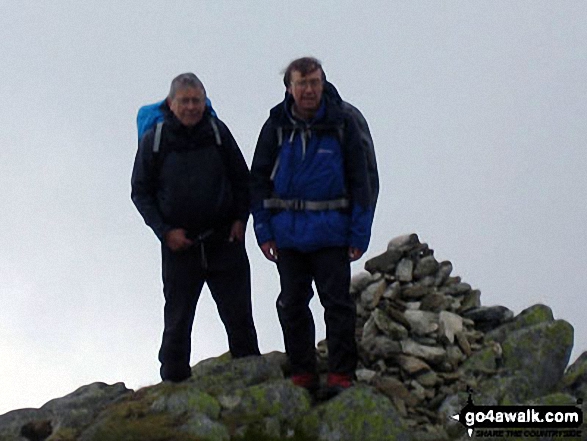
(330,270)
(224,266)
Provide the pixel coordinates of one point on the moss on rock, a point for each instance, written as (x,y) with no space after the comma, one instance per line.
(269,408)
(359,413)
(541,352)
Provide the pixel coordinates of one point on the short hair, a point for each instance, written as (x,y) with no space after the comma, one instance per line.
(304,65)
(185,80)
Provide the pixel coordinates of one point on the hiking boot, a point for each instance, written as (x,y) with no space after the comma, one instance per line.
(175,373)
(336,383)
(308,381)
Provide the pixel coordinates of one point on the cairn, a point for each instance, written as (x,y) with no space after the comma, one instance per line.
(416,326)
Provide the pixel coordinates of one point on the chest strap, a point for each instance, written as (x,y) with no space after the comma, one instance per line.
(299,205)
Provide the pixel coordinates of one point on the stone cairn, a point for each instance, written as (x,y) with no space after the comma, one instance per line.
(416,325)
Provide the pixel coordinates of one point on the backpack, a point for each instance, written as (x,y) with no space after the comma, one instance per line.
(366,145)
(368,148)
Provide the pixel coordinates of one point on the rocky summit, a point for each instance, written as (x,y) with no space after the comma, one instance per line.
(427,345)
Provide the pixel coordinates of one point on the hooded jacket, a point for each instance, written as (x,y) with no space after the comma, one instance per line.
(317,160)
(192,182)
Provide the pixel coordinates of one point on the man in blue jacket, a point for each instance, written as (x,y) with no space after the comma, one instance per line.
(190,183)
(313,208)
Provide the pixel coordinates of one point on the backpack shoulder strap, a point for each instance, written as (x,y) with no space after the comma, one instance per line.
(157,140)
(214,125)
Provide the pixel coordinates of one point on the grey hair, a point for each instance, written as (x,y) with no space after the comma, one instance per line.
(185,80)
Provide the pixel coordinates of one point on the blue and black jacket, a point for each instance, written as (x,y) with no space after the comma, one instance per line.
(317,160)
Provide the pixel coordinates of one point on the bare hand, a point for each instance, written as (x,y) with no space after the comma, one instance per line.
(270,250)
(237,232)
(175,239)
(354,254)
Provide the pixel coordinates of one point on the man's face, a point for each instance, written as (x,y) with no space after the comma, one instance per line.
(306,91)
(188,105)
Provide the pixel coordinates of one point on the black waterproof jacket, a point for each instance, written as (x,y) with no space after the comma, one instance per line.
(192,182)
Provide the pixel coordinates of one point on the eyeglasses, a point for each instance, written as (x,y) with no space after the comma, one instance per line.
(314,83)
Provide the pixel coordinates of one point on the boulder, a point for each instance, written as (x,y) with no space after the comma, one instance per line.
(360,413)
(541,352)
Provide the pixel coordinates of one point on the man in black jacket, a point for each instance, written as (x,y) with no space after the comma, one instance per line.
(190,185)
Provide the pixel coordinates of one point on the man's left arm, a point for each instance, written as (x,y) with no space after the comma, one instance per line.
(239,176)
(357,175)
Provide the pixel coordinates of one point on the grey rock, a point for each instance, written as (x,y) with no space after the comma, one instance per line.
(471,300)
(12,422)
(383,347)
(413,306)
(393,388)
(365,375)
(444,270)
(429,340)
(449,325)
(428,281)
(398,316)
(455,356)
(434,302)
(393,291)
(278,399)
(431,354)
(541,352)
(505,389)
(418,390)
(203,428)
(426,267)
(407,241)
(422,322)
(484,361)
(575,378)
(404,270)
(372,294)
(384,263)
(370,329)
(487,318)
(359,413)
(413,365)
(528,317)
(75,410)
(415,292)
(458,289)
(175,403)
(362,280)
(216,376)
(428,379)
(388,327)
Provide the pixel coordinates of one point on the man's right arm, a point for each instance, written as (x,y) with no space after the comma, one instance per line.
(262,187)
(144,187)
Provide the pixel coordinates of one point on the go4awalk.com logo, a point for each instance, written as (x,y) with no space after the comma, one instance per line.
(521,421)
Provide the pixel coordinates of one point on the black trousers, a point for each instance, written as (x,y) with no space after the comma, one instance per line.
(224,266)
(330,270)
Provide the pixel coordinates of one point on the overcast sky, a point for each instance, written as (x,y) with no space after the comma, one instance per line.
(478,112)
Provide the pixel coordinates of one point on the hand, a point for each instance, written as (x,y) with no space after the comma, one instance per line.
(354,254)
(237,232)
(175,239)
(270,250)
